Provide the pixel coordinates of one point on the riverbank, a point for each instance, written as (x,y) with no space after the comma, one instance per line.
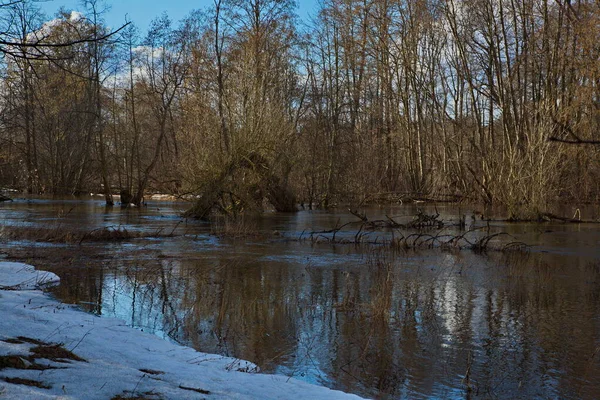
(50,350)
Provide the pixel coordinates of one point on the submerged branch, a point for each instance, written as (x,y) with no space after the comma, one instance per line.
(477,239)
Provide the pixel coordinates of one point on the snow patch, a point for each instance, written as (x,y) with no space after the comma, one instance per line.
(17,276)
(112,358)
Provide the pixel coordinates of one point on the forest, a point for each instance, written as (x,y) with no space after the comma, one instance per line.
(242,106)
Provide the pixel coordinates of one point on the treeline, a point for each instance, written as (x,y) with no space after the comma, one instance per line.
(242,104)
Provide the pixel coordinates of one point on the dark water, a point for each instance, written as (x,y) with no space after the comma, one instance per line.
(382,324)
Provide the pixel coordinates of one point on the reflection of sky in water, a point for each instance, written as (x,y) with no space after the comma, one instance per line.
(305,365)
(125,301)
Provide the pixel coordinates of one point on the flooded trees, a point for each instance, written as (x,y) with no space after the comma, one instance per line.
(518,64)
(449,98)
(143,112)
(19,136)
(98,53)
(254,82)
(374,100)
(52,114)
(375,73)
(49,104)
(164,62)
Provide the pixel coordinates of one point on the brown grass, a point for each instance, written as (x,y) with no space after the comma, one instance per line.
(151,371)
(28,382)
(12,341)
(22,339)
(22,362)
(141,396)
(15,362)
(201,391)
(236,228)
(62,235)
(47,351)
(55,352)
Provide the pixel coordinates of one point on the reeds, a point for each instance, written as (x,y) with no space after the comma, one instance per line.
(379,304)
(236,228)
(382,288)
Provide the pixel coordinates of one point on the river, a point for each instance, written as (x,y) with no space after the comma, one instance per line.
(408,323)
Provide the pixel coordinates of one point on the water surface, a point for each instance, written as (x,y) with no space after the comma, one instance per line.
(427,323)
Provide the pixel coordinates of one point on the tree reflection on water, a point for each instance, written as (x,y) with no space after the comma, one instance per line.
(409,325)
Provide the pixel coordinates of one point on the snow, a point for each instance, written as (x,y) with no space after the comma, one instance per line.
(17,276)
(118,360)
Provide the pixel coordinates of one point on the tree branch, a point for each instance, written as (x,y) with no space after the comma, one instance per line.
(574,141)
(40,44)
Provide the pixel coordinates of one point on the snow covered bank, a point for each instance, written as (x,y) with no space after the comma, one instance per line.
(17,276)
(49,350)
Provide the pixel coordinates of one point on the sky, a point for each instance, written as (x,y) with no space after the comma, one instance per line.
(141,12)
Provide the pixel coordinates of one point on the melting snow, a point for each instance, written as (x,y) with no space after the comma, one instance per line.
(119,361)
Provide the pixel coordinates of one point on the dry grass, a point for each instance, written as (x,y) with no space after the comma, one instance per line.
(15,362)
(201,391)
(383,285)
(141,396)
(61,235)
(151,371)
(49,235)
(28,382)
(236,228)
(21,340)
(72,236)
(54,352)
(41,350)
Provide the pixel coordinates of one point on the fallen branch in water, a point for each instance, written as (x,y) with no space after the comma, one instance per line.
(549,217)
(420,221)
(477,239)
(334,231)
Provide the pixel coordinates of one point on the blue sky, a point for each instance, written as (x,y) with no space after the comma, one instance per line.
(141,12)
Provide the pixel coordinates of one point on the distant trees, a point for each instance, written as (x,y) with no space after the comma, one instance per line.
(375,99)
(523,80)
(99,70)
(52,97)
(451,98)
(47,104)
(19,131)
(164,61)
(252,85)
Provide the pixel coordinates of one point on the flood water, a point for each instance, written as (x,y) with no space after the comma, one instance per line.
(428,323)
